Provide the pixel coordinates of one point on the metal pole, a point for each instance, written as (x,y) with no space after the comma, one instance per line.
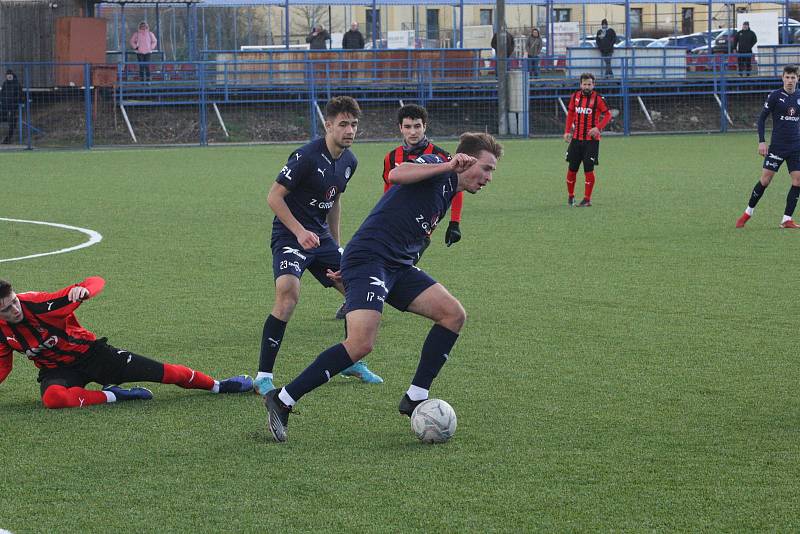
(785,28)
(549,23)
(286,24)
(710,26)
(87,104)
(158,27)
(461,23)
(123,35)
(627,22)
(374,25)
(28,102)
(502,65)
(203,104)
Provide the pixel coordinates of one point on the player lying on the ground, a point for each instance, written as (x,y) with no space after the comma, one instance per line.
(377,267)
(784,106)
(43,327)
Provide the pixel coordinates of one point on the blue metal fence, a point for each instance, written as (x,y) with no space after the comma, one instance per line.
(280,99)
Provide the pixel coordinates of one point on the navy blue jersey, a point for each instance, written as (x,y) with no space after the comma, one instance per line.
(785,111)
(314,180)
(396,228)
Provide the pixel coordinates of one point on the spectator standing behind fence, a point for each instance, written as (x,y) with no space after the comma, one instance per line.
(743,42)
(317,38)
(509,43)
(606,39)
(10,99)
(353,39)
(533,46)
(144,42)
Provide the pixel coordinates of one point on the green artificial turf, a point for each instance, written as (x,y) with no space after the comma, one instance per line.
(628,367)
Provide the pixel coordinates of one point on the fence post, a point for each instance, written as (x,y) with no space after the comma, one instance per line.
(87,102)
(723,99)
(312,99)
(626,99)
(28,102)
(203,112)
(526,101)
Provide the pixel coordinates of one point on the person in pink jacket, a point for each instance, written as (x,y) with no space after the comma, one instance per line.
(144,42)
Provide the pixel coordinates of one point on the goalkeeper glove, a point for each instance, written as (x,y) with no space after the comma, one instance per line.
(453,233)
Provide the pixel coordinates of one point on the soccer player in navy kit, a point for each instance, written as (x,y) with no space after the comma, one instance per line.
(305,231)
(784,106)
(412,121)
(377,268)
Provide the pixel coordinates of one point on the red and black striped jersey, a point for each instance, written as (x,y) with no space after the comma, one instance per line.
(49,333)
(404,153)
(584,113)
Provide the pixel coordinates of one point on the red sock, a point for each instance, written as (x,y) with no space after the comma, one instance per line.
(589,185)
(60,397)
(571,183)
(186,378)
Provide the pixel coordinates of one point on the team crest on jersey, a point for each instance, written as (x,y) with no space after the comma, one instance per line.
(798,101)
(330,193)
(347,173)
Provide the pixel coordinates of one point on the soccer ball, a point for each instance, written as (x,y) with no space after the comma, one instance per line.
(433,421)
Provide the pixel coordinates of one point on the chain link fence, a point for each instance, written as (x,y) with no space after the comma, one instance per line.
(279,97)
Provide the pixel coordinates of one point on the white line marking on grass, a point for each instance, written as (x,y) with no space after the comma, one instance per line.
(94,238)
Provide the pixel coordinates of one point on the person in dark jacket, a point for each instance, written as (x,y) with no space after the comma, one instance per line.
(509,47)
(743,42)
(318,37)
(606,39)
(353,39)
(509,43)
(10,99)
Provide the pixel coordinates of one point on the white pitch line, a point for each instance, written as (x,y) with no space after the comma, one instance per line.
(94,237)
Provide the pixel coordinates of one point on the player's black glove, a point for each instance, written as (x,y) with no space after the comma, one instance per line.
(453,233)
(425,245)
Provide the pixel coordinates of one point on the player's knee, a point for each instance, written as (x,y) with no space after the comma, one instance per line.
(285,302)
(357,348)
(55,397)
(455,317)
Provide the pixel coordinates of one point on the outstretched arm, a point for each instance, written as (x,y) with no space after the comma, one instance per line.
(63,302)
(410,173)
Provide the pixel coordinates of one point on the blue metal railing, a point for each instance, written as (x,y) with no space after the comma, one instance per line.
(428,80)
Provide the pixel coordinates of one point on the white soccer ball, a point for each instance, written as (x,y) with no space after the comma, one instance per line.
(433,421)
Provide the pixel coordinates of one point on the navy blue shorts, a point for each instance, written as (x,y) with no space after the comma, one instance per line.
(288,257)
(774,160)
(368,285)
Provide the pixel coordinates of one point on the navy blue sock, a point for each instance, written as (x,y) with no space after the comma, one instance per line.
(758,191)
(271,339)
(791,200)
(435,350)
(327,365)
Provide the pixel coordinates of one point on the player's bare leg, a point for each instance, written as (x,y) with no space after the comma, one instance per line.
(438,305)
